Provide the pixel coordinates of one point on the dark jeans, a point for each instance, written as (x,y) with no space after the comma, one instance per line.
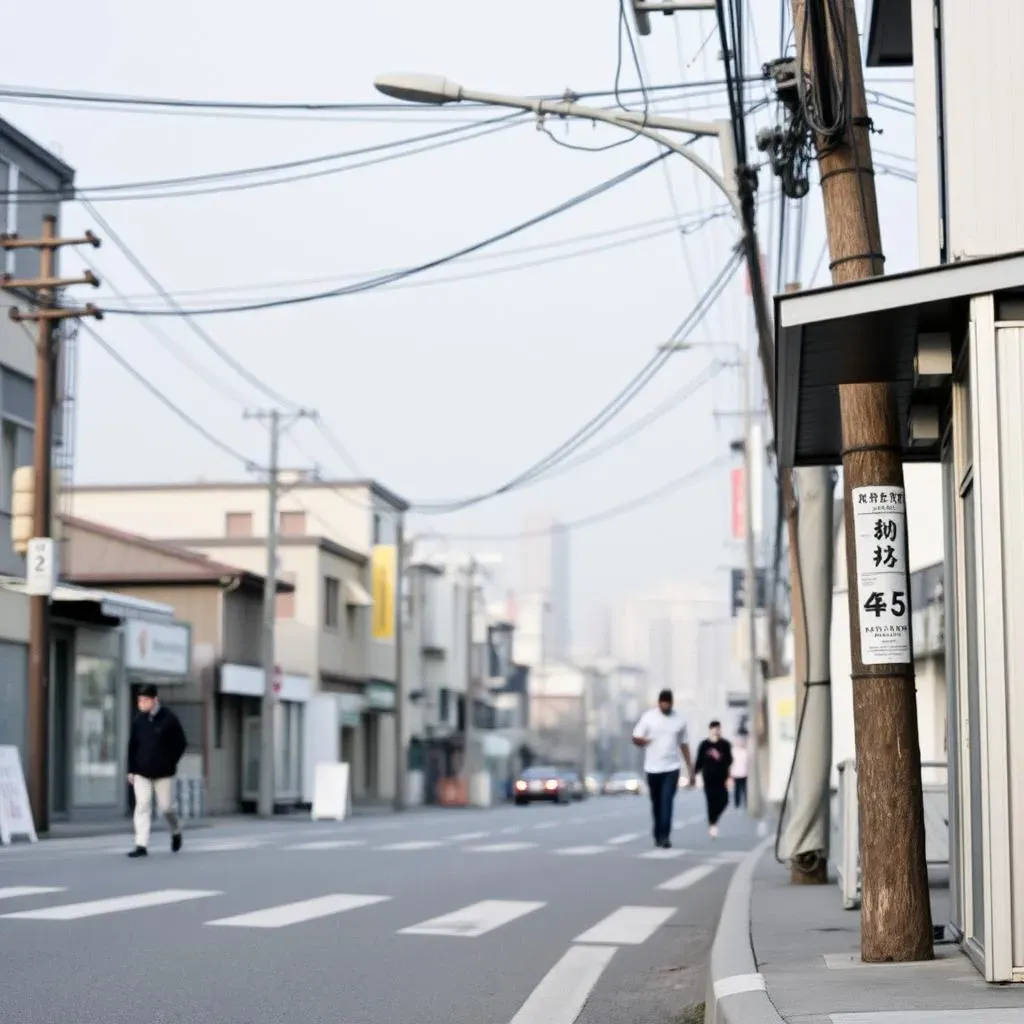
(717,797)
(739,792)
(663,786)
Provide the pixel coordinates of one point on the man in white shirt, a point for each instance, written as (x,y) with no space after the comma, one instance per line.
(661,732)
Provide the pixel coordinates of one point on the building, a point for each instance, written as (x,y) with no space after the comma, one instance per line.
(546,581)
(219,699)
(337,545)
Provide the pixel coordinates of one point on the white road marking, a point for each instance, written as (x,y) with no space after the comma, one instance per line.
(500,847)
(689,877)
(328,844)
(296,913)
(512,829)
(475,920)
(629,837)
(547,824)
(581,851)
(728,857)
(12,892)
(115,905)
(627,926)
(465,837)
(223,845)
(561,995)
(663,854)
(415,844)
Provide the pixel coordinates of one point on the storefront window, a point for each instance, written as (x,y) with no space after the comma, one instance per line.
(96,775)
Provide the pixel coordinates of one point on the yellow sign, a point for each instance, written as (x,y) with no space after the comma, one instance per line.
(384,565)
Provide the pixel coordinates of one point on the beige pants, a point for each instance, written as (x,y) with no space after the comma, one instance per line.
(145,789)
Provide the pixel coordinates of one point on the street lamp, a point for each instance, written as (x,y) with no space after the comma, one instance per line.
(437,90)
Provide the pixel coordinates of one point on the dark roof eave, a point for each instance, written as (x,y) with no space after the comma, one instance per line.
(39,153)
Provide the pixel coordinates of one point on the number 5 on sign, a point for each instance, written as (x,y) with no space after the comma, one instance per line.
(40,567)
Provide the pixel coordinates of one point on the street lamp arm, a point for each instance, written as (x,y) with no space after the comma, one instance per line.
(435,89)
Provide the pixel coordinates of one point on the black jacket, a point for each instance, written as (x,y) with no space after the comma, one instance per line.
(714,759)
(156,744)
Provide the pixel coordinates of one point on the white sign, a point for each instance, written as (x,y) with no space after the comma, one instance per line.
(15,812)
(883,590)
(330,791)
(163,648)
(40,567)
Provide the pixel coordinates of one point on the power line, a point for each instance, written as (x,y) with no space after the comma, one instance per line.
(385,279)
(604,416)
(243,371)
(164,400)
(641,501)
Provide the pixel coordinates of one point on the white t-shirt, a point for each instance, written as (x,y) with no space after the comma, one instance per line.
(666,733)
(739,762)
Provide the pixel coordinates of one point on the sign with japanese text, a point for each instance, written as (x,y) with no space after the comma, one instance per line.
(15,812)
(883,582)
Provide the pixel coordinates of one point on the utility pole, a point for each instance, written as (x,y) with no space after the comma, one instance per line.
(896,920)
(401,748)
(469,732)
(43,290)
(277,421)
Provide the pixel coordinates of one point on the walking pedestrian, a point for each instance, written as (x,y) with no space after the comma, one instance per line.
(155,746)
(714,759)
(661,732)
(739,771)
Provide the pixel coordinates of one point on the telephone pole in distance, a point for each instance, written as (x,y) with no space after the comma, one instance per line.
(277,421)
(41,564)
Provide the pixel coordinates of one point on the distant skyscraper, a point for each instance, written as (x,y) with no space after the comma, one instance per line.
(546,571)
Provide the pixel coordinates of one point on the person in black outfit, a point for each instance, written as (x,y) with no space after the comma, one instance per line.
(714,759)
(155,746)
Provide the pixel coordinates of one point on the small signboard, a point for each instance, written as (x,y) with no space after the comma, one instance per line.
(330,791)
(40,567)
(883,590)
(15,812)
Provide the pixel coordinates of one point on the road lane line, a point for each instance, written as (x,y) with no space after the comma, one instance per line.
(328,844)
(563,992)
(512,829)
(689,877)
(500,847)
(415,844)
(547,824)
(629,837)
(581,851)
(115,905)
(475,920)
(223,845)
(13,892)
(663,854)
(627,926)
(295,913)
(465,837)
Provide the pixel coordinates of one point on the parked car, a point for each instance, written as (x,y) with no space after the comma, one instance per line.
(621,783)
(577,790)
(542,783)
(594,783)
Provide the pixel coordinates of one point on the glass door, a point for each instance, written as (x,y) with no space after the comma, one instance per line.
(95,777)
(251,758)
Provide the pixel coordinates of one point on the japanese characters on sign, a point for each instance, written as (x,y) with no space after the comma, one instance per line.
(883,582)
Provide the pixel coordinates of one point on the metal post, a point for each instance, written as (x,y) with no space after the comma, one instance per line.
(401,750)
(754,796)
(269,703)
(468,759)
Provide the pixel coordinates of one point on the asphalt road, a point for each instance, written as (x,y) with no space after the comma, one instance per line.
(536,915)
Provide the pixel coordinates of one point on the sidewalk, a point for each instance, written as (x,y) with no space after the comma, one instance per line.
(789,954)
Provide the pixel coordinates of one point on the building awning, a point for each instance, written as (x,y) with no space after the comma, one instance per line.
(356,595)
(869,331)
(111,605)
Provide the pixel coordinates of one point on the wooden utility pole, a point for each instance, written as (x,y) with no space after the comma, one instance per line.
(896,920)
(43,292)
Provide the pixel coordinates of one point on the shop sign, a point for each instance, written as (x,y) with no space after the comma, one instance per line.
(160,648)
(380,697)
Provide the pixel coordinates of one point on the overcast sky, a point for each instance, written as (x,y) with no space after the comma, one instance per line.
(437,388)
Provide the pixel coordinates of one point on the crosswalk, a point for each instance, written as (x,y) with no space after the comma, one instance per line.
(55,904)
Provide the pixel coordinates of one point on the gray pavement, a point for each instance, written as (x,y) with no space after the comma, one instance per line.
(538,915)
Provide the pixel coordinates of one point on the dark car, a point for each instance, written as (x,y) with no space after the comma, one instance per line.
(577,789)
(542,784)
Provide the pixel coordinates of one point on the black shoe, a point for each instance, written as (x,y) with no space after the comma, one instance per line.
(175,842)
(139,851)
(666,844)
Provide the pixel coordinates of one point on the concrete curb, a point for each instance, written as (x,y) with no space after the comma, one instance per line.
(736,992)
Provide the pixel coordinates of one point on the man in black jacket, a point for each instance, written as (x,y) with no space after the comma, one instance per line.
(155,746)
(714,759)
